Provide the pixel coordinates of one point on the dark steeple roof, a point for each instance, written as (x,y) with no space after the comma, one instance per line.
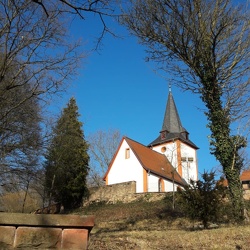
(172,128)
(172,122)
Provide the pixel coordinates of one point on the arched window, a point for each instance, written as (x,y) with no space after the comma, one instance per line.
(161,187)
(127,153)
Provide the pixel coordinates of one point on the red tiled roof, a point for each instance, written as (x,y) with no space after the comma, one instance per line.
(154,162)
(224,182)
(150,160)
(245,176)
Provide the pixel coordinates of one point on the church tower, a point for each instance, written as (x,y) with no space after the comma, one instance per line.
(174,142)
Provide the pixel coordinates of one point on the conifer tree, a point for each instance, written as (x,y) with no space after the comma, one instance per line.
(67,160)
(202,199)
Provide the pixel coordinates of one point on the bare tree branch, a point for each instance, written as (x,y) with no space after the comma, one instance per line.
(101,8)
(102,146)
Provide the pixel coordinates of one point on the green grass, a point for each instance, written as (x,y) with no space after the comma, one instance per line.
(154,225)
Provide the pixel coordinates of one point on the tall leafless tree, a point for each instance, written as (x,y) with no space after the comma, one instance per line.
(204,45)
(102,146)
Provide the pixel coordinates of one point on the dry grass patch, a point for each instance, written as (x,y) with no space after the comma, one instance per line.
(220,239)
(153,225)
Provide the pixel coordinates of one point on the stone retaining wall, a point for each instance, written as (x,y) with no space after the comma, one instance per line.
(126,192)
(121,192)
(112,193)
(40,231)
(246,194)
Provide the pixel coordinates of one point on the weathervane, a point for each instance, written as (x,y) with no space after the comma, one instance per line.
(170,87)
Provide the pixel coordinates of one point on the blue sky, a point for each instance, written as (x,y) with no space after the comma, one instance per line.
(117,89)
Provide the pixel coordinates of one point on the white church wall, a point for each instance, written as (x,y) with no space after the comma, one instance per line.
(189,163)
(169,186)
(189,168)
(126,169)
(170,150)
(153,183)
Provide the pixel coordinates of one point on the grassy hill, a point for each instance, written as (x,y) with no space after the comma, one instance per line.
(154,225)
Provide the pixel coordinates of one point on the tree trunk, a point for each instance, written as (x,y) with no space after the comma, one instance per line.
(25,196)
(236,193)
(225,147)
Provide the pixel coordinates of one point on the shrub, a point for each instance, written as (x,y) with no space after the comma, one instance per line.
(202,199)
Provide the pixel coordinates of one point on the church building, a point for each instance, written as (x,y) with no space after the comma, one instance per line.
(166,163)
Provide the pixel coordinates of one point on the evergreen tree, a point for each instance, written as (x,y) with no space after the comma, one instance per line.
(67,160)
(202,199)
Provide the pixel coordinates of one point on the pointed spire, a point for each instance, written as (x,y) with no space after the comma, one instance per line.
(171,121)
(172,128)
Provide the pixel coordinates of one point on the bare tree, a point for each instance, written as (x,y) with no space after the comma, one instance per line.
(204,44)
(103,9)
(35,52)
(36,60)
(102,146)
(36,57)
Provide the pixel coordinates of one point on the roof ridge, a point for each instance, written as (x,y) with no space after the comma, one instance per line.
(146,147)
(141,158)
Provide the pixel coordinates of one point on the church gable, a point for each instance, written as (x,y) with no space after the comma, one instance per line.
(154,162)
(125,167)
(135,162)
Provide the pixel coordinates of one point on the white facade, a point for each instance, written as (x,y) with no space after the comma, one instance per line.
(188,158)
(157,184)
(170,150)
(126,168)
(189,163)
